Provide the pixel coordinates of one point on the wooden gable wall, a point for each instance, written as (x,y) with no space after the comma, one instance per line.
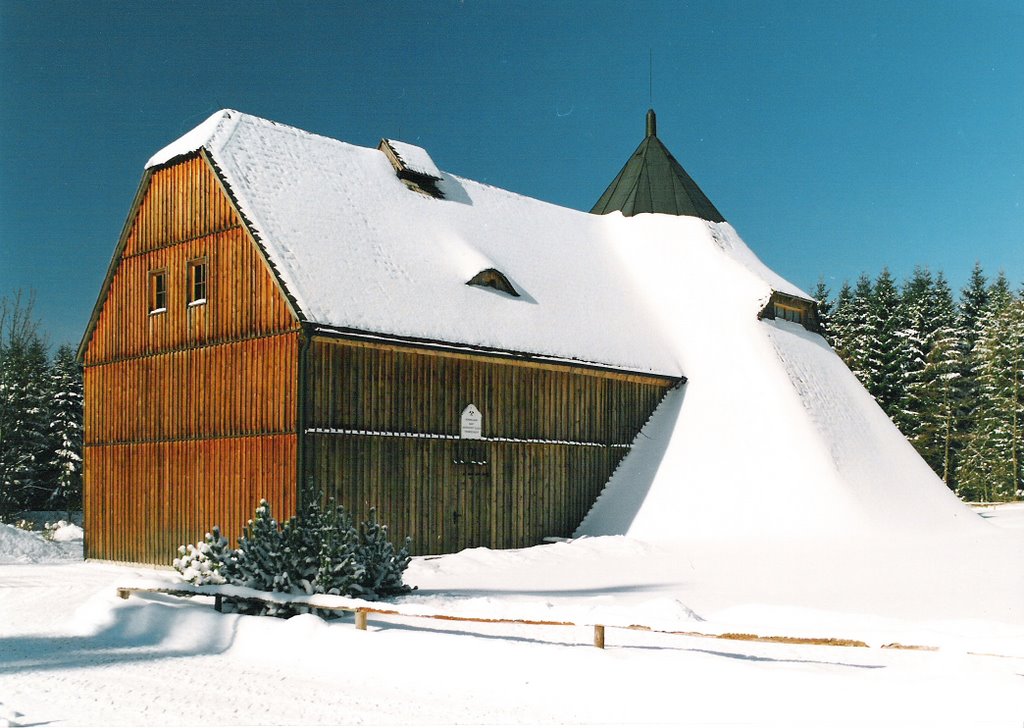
(190,413)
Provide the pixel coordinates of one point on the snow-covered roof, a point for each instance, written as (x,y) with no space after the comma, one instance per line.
(358,250)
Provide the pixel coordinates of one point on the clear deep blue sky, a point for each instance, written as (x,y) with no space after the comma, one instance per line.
(837,137)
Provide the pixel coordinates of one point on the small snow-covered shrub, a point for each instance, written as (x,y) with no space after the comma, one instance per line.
(382,565)
(319,551)
(202,564)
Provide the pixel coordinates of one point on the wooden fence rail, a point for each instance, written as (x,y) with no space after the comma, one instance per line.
(362,610)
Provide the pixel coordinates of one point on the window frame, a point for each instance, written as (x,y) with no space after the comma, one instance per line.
(192,268)
(156,291)
(792,314)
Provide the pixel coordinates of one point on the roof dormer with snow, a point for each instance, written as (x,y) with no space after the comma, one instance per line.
(413,166)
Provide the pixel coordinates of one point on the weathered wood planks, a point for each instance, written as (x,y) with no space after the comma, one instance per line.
(382,430)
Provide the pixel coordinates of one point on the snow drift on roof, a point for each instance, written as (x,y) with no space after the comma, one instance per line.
(771,435)
(218,125)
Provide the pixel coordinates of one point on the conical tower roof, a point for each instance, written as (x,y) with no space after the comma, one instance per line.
(653,181)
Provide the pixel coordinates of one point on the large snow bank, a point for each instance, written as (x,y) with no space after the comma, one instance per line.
(771,436)
(18,546)
(66,638)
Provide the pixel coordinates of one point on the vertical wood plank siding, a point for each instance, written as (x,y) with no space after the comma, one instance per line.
(190,414)
(447,493)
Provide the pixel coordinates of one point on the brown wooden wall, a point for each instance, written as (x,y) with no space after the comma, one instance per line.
(143,500)
(190,414)
(382,426)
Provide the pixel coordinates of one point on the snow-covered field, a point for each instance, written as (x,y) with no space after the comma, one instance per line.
(73,653)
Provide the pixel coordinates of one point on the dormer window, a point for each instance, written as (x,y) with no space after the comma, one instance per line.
(413,166)
(788,313)
(493,278)
(783,307)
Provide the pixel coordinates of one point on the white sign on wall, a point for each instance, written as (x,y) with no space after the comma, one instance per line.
(471,424)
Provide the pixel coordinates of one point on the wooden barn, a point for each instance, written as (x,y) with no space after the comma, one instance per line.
(282,308)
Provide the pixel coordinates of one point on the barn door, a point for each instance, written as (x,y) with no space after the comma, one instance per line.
(467,507)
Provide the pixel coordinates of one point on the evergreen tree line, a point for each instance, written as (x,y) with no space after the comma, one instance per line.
(40,417)
(949,371)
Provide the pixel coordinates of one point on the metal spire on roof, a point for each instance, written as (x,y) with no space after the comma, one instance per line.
(653,181)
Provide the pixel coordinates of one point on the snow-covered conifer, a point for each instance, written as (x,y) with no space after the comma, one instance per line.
(65,430)
(990,469)
(23,410)
(821,295)
(887,348)
(838,332)
(383,566)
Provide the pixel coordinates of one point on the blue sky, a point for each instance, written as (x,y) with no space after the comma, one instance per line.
(837,137)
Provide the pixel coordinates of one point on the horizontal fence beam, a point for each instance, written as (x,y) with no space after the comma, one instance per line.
(362,612)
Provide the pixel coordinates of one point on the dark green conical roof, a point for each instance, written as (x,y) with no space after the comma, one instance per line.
(653,181)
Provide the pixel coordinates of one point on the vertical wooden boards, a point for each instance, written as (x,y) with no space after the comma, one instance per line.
(383,430)
(181,441)
(243,300)
(236,388)
(191,411)
(387,388)
(157,496)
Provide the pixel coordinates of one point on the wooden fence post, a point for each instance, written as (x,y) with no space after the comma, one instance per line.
(360,619)
(599,636)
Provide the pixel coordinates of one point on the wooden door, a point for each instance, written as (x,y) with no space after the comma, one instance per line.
(467,506)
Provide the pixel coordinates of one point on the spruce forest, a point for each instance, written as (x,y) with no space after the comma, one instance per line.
(40,417)
(948,370)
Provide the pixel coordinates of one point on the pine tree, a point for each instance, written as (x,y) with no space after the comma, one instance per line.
(839,324)
(23,423)
(935,393)
(821,295)
(65,430)
(973,301)
(915,335)
(210,562)
(887,349)
(857,333)
(383,566)
(339,565)
(990,469)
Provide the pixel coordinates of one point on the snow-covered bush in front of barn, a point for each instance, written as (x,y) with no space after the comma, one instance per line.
(382,566)
(203,564)
(320,551)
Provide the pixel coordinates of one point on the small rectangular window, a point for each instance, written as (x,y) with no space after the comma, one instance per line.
(157,291)
(197,282)
(788,313)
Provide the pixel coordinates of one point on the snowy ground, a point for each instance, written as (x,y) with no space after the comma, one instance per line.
(72,653)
